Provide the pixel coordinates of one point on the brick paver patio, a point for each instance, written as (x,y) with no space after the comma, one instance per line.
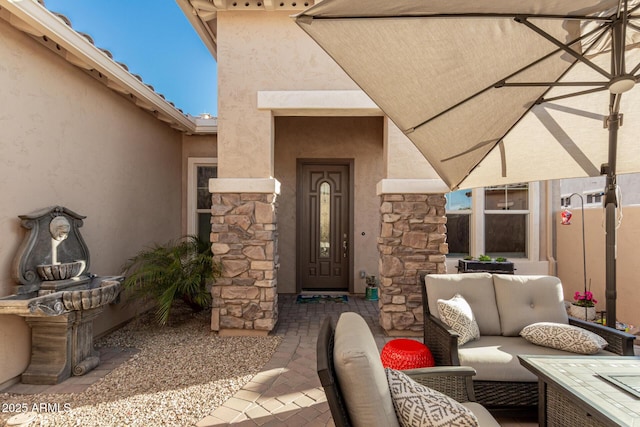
(287,392)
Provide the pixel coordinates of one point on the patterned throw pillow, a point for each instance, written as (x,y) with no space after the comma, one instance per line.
(417,405)
(456,314)
(563,337)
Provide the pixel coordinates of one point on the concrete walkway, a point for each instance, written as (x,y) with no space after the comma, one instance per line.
(288,392)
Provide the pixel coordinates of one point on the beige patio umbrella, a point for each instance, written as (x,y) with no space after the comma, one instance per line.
(496,92)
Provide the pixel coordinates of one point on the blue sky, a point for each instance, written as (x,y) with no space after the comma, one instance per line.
(155,40)
(459,200)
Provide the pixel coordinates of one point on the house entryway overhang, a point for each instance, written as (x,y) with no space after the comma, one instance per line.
(317,103)
(410,244)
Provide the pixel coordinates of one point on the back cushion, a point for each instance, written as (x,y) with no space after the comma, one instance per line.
(361,375)
(524,300)
(477,290)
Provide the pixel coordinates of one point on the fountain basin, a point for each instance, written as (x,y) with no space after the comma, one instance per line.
(87,299)
(62,327)
(62,271)
(99,291)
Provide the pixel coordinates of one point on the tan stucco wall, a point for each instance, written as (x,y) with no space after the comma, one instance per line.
(358,138)
(266,51)
(570,265)
(262,51)
(68,140)
(403,160)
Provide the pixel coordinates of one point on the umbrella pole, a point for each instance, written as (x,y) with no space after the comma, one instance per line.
(611,264)
(611,203)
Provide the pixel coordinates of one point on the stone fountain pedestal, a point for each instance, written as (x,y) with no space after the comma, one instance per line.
(61,346)
(57,296)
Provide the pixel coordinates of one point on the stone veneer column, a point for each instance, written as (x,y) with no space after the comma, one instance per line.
(412,243)
(244,238)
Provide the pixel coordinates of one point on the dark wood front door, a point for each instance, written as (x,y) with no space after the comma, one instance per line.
(323,226)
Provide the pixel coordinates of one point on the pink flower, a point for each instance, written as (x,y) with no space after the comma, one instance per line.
(584,299)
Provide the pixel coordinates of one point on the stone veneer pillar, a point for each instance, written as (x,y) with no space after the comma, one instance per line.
(412,243)
(244,238)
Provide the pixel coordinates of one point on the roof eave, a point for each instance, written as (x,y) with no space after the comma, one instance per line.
(34,19)
(199,18)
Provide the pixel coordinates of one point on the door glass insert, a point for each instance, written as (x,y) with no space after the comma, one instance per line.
(325,219)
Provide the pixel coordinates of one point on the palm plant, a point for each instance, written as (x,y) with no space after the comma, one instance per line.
(181,269)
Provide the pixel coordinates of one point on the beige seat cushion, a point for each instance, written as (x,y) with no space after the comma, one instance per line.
(495,358)
(477,290)
(362,378)
(524,300)
(485,419)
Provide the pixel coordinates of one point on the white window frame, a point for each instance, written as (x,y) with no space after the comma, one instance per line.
(476,227)
(192,196)
(472,225)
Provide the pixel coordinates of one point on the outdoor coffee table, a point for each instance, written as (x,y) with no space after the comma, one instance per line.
(587,390)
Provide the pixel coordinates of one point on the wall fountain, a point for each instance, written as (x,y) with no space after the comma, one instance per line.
(57,296)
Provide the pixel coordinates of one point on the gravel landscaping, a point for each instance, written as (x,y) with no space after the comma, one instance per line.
(181,373)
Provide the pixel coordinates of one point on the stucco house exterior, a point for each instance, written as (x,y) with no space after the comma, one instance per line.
(298,135)
(290,121)
(301,183)
(79,130)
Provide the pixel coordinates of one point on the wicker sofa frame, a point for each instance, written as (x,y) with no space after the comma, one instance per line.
(443,343)
(454,381)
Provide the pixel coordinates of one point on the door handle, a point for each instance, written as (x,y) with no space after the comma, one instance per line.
(345,246)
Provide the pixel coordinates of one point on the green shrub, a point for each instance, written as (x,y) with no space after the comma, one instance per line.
(181,269)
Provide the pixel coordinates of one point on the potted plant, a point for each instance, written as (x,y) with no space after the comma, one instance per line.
(584,306)
(372,290)
(182,269)
(485,263)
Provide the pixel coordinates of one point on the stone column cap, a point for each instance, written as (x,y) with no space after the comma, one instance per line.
(244,185)
(411,186)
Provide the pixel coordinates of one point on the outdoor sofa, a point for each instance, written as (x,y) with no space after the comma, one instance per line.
(359,394)
(503,305)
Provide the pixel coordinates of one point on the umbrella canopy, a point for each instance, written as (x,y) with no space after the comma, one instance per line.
(496,92)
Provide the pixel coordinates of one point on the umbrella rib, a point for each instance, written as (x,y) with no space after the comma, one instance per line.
(635,70)
(634,26)
(562,46)
(472,149)
(460,15)
(571,95)
(548,84)
(498,84)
